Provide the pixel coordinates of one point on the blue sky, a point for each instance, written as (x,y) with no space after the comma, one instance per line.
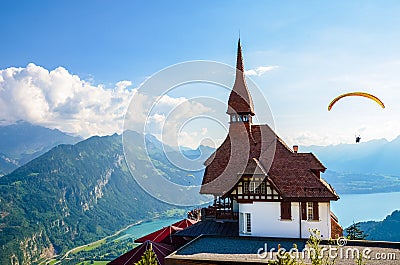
(113,41)
(319,49)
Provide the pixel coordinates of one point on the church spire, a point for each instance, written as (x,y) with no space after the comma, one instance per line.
(239,58)
(240,101)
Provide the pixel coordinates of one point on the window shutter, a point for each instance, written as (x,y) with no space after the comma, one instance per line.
(286,211)
(303,211)
(315,211)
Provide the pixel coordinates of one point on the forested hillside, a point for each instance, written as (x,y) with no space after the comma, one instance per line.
(73,195)
(386,230)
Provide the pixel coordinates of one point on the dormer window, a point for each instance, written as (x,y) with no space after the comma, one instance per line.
(233,118)
(245,117)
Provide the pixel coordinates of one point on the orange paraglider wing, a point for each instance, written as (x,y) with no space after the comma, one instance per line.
(358,94)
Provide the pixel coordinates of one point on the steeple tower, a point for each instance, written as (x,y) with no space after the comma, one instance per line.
(240,104)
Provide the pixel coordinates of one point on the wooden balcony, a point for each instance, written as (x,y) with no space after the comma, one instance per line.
(221,209)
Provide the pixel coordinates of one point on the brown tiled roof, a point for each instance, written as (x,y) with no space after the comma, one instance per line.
(259,149)
(240,100)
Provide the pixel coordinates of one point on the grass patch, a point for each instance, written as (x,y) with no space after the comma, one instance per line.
(175,212)
(89,247)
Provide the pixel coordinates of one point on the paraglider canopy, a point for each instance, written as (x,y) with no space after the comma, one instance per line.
(358,94)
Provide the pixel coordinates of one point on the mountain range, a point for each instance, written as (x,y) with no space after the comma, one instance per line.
(366,167)
(372,157)
(21,142)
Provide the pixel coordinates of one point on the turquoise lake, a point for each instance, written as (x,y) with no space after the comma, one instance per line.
(365,207)
(148,227)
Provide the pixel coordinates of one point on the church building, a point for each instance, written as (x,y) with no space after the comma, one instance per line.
(271,189)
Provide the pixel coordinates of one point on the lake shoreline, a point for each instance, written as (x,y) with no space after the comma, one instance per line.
(102,239)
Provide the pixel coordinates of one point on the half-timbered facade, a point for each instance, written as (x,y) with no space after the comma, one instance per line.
(255,177)
(254,188)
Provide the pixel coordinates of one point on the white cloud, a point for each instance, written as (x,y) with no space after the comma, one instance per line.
(178,121)
(174,125)
(259,71)
(170,101)
(59,99)
(192,139)
(157,118)
(307,138)
(151,114)
(123,84)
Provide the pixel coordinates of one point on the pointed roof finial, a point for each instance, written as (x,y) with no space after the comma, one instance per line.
(239,59)
(240,100)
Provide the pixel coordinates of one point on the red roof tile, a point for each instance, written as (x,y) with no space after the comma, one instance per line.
(164,235)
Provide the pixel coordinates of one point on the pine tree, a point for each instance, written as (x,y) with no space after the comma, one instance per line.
(354,232)
(148,258)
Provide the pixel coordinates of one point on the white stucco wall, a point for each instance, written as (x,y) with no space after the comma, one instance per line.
(266,220)
(324,225)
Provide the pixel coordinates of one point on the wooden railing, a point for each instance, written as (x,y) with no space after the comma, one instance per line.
(213,212)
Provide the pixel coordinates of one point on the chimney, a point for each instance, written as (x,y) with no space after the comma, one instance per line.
(295,148)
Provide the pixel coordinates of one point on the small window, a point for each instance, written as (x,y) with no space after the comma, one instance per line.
(262,188)
(310,211)
(245,187)
(248,223)
(253,187)
(245,118)
(239,117)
